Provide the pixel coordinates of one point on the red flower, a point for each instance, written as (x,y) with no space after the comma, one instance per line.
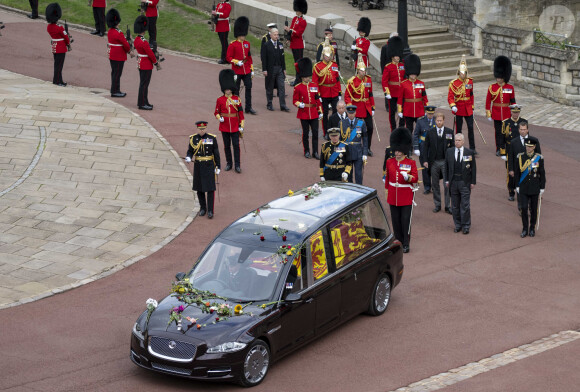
(211,310)
(262,238)
(198,326)
(207,304)
(217,319)
(305,197)
(283,238)
(258,210)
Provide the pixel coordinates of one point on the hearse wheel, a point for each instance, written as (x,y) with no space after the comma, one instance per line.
(381,296)
(256,364)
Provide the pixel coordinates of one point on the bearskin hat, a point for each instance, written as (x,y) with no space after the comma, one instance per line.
(241,26)
(113,18)
(227,81)
(364,25)
(140,25)
(412,65)
(401,140)
(300,6)
(395,47)
(53,12)
(502,68)
(303,68)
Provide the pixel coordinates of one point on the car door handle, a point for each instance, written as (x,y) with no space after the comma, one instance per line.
(309,300)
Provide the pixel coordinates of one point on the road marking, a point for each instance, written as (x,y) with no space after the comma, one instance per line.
(464,372)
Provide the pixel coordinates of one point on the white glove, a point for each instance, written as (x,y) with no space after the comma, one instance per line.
(364,157)
(240,129)
(222,119)
(345,176)
(454,109)
(417,152)
(504,158)
(400,114)
(405,175)
(489,118)
(320,116)
(322,179)
(301,105)
(353,47)
(384,179)
(187,159)
(252,74)
(217,170)
(518,190)
(388,96)
(542,191)
(373,113)
(240,63)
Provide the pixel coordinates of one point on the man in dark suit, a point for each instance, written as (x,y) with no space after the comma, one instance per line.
(274,69)
(460,172)
(437,141)
(517,146)
(335,118)
(530,180)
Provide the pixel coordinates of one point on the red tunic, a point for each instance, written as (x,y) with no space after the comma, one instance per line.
(400,191)
(297,26)
(231,110)
(240,51)
(326,77)
(362,46)
(498,100)
(118,47)
(413,98)
(308,95)
(223,10)
(393,75)
(461,95)
(59,38)
(360,93)
(145,56)
(151,8)
(99,3)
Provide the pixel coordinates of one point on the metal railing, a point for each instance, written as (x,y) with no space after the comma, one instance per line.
(553,40)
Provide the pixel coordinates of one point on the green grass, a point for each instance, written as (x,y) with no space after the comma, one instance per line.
(180,27)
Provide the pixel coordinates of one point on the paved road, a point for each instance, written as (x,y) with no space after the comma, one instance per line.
(463,298)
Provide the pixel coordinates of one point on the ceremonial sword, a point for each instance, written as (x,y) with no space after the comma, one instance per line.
(480,134)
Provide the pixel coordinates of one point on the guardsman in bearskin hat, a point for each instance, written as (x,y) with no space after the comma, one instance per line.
(510,130)
(307,100)
(460,98)
(145,61)
(500,96)
(423,125)
(400,175)
(413,92)
(328,34)
(117,47)
(297,28)
(530,184)
(335,162)
(59,40)
(229,112)
(327,77)
(359,92)
(354,132)
(204,152)
(362,43)
(239,55)
(222,27)
(151,12)
(393,76)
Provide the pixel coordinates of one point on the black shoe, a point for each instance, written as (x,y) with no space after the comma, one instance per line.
(436,209)
(456,230)
(532,233)
(448,210)
(307,155)
(119,95)
(269,107)
(316,156)
(511,198)
(101,34)
(228,167)
(238,169)
(146,107)
(148,104)
(370,153)
(285,109)
(524,233)
(405,248)
(202,212)
(95,32)
(465,231)
(61,84)
(210,215)
(32,16)
(426,191)
(220,61)
(497,153)
(251,111)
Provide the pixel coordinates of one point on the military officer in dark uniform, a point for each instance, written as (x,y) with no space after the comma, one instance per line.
(423,125)
(530,180)
(510,130)
(518,145)
(335,162)
(353,131)
(203,150)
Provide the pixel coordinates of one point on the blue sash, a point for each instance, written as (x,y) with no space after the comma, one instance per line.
(525,173)
(352,134)
(333,156)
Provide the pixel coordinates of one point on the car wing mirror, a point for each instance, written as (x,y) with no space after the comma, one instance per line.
(292,298)
(180,275)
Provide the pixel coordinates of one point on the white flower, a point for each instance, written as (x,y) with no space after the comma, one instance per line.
(151,302)
(275,227)
(213,308)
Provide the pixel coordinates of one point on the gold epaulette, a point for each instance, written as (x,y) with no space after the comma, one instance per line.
(191,136)
(520,154)
(350,80)
(211,134)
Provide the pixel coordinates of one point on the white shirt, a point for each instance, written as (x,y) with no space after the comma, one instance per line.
(460,153)
(440,132)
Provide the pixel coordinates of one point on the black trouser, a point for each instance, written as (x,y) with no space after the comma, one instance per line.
(116,72)
(511,183)
(426,174)
(391,106)
(325,103)
(409,123)
(531,202)
(247,78)
(34,8)
(202,201)
(144,80)
(99,15)
(369,124)
(469,121)
(357,171)
(58,65)
(308,125)
(460,203)
(152,29)
(297,54)
(436,171)
(401,218)
(497,125)
(223,36)
(276,74)
(229,139)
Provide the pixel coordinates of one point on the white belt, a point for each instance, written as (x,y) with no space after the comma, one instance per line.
(142,55)
(223,18)
(114,44)
(57,39)
(397,185)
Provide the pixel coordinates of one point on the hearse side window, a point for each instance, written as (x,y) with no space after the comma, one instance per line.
(356,231)
(317,254)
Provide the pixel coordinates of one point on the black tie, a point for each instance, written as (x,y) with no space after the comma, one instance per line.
(458,155)
(352,125)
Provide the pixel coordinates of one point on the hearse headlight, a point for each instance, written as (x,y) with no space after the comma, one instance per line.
(137,331)
(229,347)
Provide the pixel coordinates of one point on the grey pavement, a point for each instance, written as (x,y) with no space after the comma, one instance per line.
(86,187)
